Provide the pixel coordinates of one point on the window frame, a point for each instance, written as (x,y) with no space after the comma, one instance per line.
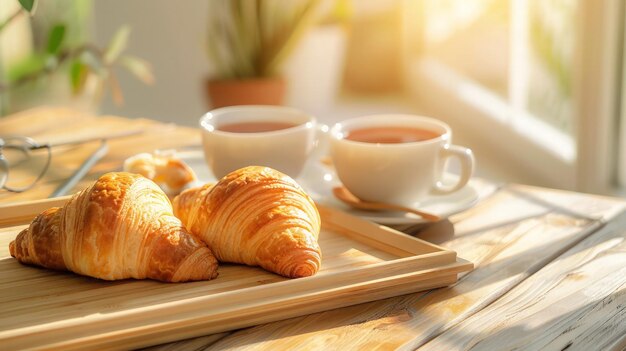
(590,164)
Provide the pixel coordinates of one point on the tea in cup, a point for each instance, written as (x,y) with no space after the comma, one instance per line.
(257,135)
(397,159)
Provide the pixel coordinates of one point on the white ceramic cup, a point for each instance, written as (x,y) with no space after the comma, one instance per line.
(399,173)
(285,150)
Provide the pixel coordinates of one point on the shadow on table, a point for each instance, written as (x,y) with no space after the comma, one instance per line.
(435,233)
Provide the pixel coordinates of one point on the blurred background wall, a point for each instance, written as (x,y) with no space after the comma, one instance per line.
(172,37)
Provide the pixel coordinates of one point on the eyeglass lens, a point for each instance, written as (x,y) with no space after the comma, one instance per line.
(24,162)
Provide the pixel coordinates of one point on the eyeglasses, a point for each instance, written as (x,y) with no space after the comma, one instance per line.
(17,153)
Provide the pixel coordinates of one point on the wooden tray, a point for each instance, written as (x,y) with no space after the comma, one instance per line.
(362,261)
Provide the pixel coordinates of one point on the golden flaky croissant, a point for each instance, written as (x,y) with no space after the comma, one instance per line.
(257,216)
(120,227)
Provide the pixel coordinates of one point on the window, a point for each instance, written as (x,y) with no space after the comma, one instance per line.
(535,80)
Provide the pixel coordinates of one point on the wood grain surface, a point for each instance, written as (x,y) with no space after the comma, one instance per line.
(577,301)
(549,272)
(508,236)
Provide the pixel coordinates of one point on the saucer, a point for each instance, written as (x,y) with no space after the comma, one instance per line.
(318,181)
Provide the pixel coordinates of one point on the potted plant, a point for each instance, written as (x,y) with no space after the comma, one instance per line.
(57,64)
(247,42)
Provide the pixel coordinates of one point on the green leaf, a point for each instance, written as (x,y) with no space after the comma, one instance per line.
(29,66)
(55,39)
(28,5)
(139,68)
(117,45)
(78,76)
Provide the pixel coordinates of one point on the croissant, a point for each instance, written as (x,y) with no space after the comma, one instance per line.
(256,216)
(120,227)
(164,168)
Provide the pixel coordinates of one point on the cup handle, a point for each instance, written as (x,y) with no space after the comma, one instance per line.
(466,157)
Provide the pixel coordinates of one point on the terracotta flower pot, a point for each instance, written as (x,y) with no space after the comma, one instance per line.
(256,91)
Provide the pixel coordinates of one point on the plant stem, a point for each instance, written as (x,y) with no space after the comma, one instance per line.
(10,19)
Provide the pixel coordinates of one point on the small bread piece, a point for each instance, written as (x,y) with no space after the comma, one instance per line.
(164,168)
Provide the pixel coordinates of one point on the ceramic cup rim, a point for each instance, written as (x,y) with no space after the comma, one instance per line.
(338,130)
(209,120)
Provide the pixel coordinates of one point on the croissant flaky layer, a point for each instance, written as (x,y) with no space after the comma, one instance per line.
(120,227)
(256,216)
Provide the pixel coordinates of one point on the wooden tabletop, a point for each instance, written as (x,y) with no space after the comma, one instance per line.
(550,265)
